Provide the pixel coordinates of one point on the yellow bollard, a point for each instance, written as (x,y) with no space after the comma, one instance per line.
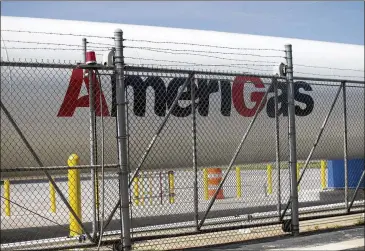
(96,190)
(298,174)
(323,174)
(269,179)
(74,192)
(150,183)
(142,189)
(171,187)
(136,190)
(7,197)
(52,196)
(205,184)
(238,182)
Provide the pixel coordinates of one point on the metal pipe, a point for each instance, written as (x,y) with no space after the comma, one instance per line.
(357,189)
(330,215)
(84,42)
(329,80)
(145,154)
(315,144)
(180,71)
(53,168)
(234,158)
(277,135)
(345,145)
(205,231)
(92,151)
(292,142)
(195,168)
(39,162)
(241,219)
(125,242)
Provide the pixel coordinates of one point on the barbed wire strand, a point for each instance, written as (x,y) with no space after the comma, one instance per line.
(43,43)
(57,33)
(186,62)
(169,42)
(325,67)
(47,48)
(234,48)
(110,46)
(327,75)
(210,56)
(230,66)
(201,45)
(211,52)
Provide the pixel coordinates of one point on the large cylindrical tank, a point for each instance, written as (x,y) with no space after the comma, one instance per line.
(36,97)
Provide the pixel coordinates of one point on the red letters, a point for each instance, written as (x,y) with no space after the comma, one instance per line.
(72,100)
(238,95)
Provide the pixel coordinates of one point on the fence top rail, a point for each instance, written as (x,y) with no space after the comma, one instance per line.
(329,80)
(148,69)
(131,68)
(54,168)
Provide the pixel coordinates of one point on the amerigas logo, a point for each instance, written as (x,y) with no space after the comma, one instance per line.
(164,96)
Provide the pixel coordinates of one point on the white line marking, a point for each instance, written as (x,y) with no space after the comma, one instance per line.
(355,243)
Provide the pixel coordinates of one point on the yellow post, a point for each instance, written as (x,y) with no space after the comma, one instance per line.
(269,179)
(52,196)
(74,192)
(323,174)
(96,190)
(298,174)
(171,187)
(238,182)
(205,183)
(7,197)
(142,189)
(150,183)
(136,190)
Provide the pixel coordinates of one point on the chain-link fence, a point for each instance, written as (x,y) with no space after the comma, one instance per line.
(207,155)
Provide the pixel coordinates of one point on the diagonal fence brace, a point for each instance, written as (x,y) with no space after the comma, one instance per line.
(187,81)
(357,189)
(234,157)
(63,198)
(314,147)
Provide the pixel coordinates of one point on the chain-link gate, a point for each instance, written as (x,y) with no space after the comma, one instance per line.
(186,158)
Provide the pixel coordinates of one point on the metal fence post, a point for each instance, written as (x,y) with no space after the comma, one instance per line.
(125,242)
(277,143)
(345,145)
(196,208)
(292,143)
(92,151)
(84,49)
(92,140)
